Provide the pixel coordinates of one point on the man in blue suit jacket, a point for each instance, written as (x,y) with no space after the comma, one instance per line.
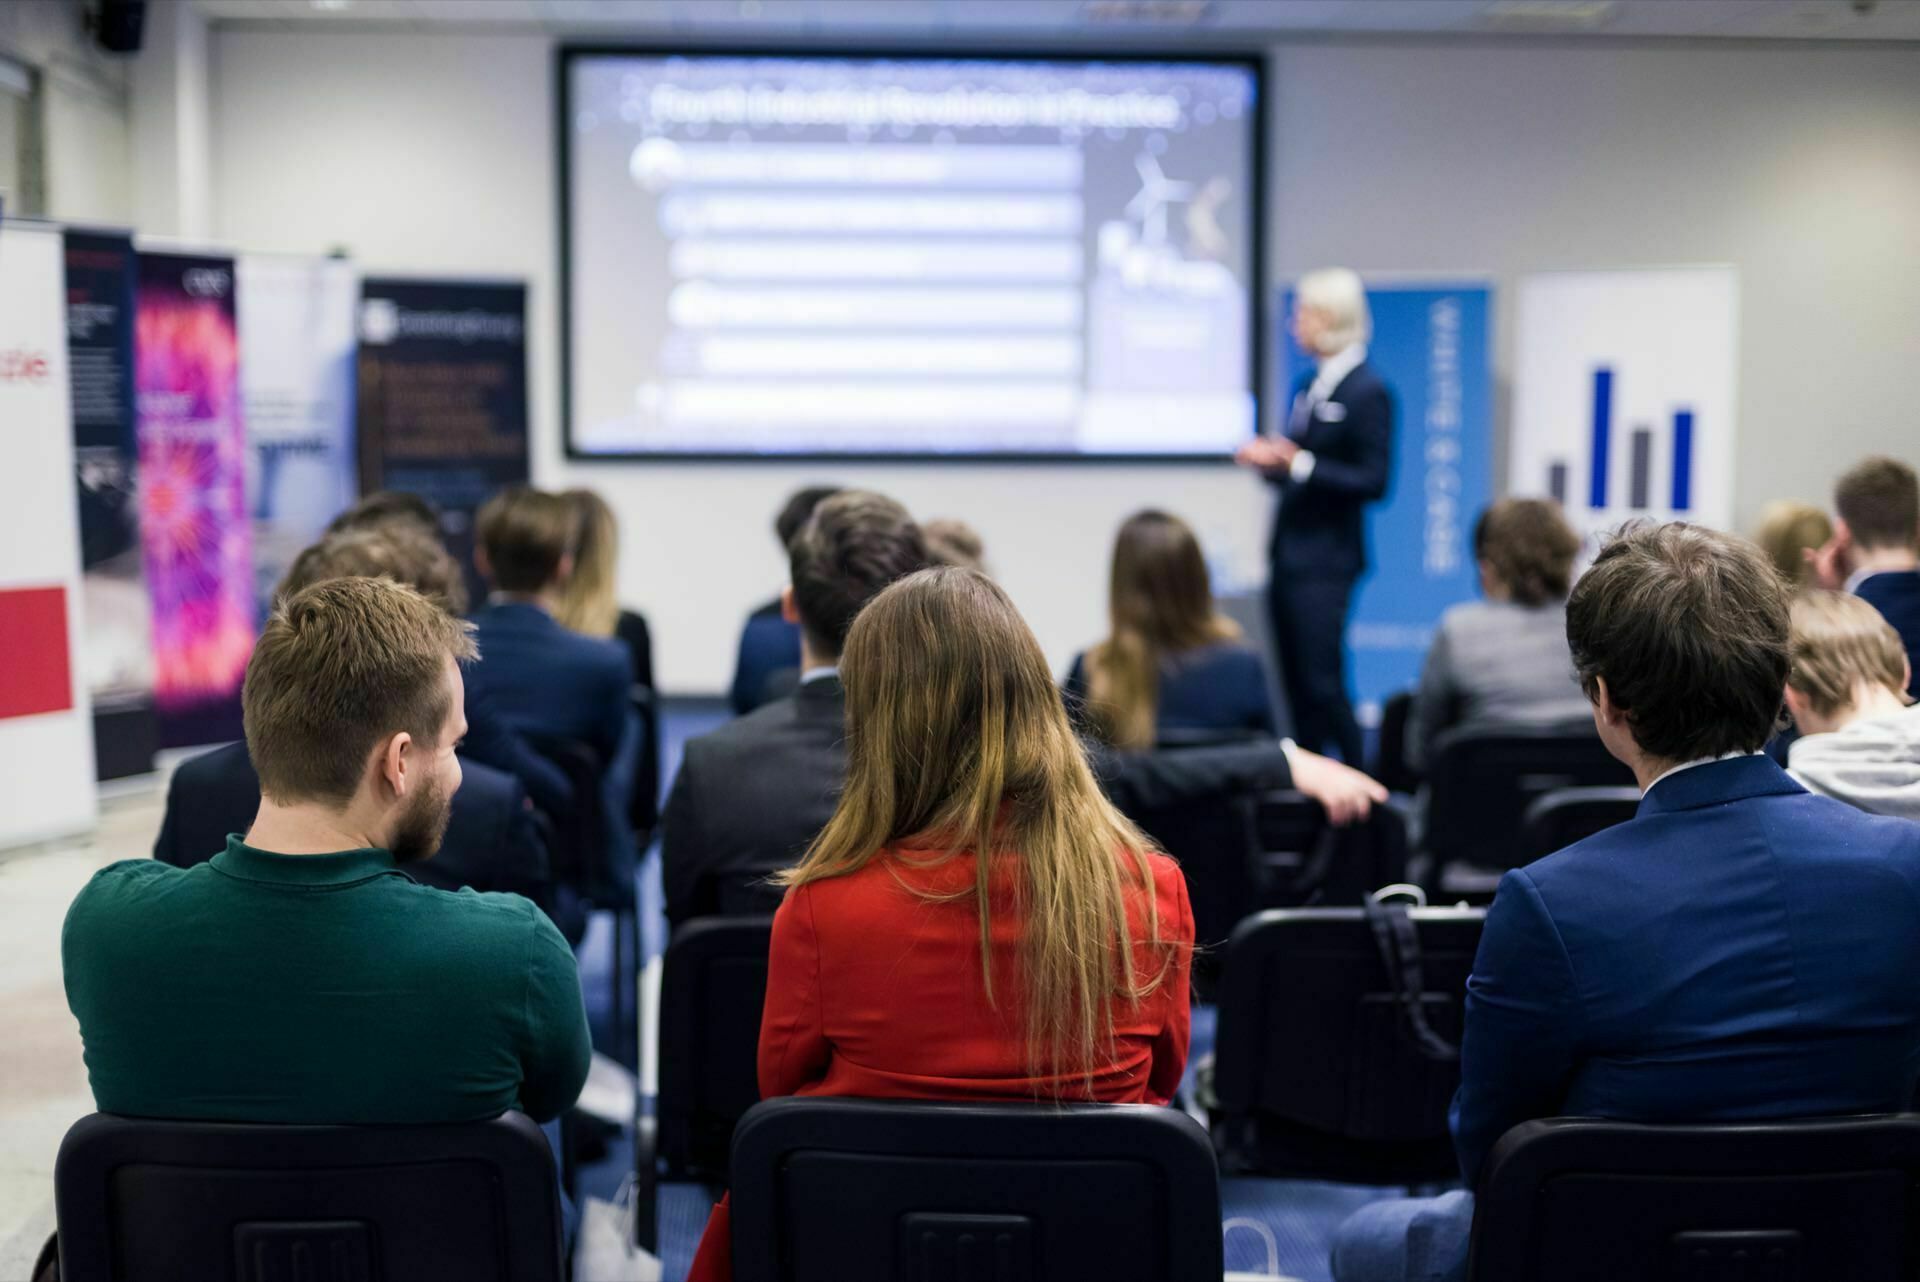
(1875,549)
(1739,949)
(546,679)
(1331,461)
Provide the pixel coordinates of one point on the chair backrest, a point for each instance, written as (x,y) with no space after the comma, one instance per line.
(1566,815)
(141,1200)
(1573,1200)
(1483,780)
(1316,1072)
(713,984)
(863,1191)
(643,803)
(1306,860)
(1390,765)
(1213,839)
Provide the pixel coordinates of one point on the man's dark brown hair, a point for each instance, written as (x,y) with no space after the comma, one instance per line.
(385,509)
(526,534)
(1689,629)
(398,552)
(798,507)
(854,544)
(1530,548)
(1879,499)
(339,667)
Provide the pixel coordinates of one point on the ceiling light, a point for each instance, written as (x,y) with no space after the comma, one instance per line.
(331,6)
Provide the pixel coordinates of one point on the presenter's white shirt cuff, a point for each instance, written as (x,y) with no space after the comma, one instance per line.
(1302,466)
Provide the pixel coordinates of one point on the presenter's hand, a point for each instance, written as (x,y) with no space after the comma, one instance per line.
(1828,564)
(1347,795)
(1269,454)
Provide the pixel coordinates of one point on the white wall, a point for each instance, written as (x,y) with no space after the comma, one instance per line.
(1800,164)
(83,94)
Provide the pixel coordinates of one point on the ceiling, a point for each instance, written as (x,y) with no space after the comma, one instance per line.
(1175,21)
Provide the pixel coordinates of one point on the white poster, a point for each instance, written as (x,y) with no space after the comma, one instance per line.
(46,726)
(296,384)
(1624,401)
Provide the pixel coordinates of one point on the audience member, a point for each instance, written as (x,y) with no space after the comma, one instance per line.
(905,962)
(1172,663)
(951,541)
(1860,740)
(1739,950)
(300,976)
(384,509)
(589,600)
(1504,660)
(1789,530)
(768,664)
(1875,549)
(492,840)
(549,680)
(755,792)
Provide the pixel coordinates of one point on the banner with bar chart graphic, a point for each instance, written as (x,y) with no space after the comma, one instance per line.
(1624,403)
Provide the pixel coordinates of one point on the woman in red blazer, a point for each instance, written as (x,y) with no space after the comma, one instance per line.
(903,965)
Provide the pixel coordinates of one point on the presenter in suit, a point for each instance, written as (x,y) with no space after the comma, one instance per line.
(1328,463)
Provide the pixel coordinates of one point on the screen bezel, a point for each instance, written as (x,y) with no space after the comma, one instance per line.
(1258,363)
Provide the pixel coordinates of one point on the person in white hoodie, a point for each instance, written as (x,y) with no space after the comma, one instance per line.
(1847,692)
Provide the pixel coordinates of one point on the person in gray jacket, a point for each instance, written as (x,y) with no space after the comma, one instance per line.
(1847,690)
(1504,660)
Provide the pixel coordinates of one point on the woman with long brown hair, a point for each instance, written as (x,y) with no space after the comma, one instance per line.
(907,963)
(1172,666)
(589,600)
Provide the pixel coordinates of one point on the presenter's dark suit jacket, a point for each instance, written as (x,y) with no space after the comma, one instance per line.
(493,841)
(1740,949)
(1320,530)
(547,679)
(1896,594)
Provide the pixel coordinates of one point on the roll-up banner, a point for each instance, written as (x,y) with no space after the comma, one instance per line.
(296,329)
(46,733)
(193,505)
(116,646)
(1431,344)
(442,396)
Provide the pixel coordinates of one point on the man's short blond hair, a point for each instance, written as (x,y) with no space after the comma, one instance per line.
(1839,642)
(340,666)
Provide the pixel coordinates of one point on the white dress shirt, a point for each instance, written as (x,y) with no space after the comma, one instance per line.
(1688,765)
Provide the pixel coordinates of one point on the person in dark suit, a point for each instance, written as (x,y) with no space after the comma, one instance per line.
(1172,664)
(768,664)
(1875,549)
(755,792)
(413,552)
(547,679)
(1332,459)
(1740,949)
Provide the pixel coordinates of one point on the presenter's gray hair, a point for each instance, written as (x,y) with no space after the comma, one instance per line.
(1337,294)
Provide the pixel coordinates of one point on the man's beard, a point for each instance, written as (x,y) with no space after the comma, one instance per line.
(422,826)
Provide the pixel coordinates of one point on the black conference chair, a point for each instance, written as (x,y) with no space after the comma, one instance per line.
(1317,1072)
(1579,1200)
(1481,781)
(150,1201)
(869,1191)
(643,805)
(1390,764)
(1566,815)
(1305,860)
(713,984)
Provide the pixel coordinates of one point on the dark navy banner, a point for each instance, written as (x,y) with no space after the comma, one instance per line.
(442,396)
(1430,343)
(116,648)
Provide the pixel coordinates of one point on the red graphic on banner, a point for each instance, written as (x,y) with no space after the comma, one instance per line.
(36,677)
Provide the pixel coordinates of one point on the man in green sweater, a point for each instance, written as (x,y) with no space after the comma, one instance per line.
(301,975)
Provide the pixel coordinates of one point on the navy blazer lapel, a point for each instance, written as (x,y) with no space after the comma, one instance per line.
(1717,783)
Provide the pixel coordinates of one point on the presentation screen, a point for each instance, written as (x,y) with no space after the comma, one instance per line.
(900,256)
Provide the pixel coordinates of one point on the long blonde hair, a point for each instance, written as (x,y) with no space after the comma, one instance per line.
(1159,603)
(956,739)
(589,602)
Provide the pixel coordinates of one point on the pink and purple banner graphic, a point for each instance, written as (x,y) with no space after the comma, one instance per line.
(193,507)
